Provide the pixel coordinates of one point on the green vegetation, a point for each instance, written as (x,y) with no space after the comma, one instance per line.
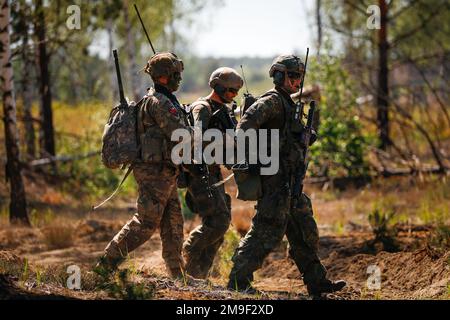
(382,224)
(342,144)
(122,287)
(223,264)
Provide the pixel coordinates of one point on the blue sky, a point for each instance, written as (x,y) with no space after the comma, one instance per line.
(254,28)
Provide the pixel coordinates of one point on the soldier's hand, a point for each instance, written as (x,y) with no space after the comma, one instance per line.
(313,137)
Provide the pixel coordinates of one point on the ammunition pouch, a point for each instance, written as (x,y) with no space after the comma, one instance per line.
(249,185)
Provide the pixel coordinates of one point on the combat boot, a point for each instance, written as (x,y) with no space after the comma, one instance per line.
(325,286)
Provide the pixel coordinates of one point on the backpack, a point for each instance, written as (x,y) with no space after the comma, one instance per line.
(226,120)
(188,108)
(120,140)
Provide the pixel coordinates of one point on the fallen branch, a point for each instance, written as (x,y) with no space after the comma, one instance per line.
(44,161)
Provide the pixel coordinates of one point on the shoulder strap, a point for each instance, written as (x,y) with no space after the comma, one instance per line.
(139,110)
(202,102)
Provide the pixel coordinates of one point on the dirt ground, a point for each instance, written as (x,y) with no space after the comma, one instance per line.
(415,271)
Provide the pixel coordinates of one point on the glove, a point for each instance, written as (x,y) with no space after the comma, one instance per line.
(313,137)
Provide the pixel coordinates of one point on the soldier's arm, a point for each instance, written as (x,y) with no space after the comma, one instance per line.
(160,112)
(260,112)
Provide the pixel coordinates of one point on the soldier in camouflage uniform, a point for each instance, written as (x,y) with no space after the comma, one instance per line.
(275,215)
(155,174)
(215,210)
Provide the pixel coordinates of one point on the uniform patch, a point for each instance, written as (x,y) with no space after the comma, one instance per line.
(173,111)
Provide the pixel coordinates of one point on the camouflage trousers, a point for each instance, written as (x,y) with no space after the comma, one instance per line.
(157,206)
(275,218)
(204,241)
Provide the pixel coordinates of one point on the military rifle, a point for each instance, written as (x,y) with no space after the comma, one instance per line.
(304,139)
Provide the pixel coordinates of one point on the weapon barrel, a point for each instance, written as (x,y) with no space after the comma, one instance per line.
(312,109)
(301,173)
(119,78)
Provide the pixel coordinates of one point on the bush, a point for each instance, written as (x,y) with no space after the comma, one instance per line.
(382,223)
(342,145)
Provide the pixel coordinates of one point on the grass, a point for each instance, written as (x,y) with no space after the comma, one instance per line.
(440,237)
(223,264)
(123,286)
(59,234)
(25,273)
(339,227)
(382,224)
(40,219)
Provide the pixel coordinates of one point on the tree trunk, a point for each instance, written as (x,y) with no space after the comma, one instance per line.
(111,69)
(319,27)
(131,50)
(27,99)
(383,73)
(48,141)
(18,204)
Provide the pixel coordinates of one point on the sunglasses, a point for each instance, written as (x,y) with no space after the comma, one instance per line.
(294,75)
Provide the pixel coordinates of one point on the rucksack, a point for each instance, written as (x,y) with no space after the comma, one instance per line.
(226,120)
(120,140)
(188,108)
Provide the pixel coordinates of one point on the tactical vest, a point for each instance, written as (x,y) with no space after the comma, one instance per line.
(155,147)
(249,187)
(220,119)
(291,153)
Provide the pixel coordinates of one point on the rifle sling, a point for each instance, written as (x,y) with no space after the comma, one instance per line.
(130,168)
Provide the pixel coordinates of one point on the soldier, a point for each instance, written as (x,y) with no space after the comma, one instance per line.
(274,214)
(155,174)
(214,209)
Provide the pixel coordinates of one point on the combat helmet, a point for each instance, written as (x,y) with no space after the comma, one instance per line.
(286,63)
(226,78)
(163,64)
